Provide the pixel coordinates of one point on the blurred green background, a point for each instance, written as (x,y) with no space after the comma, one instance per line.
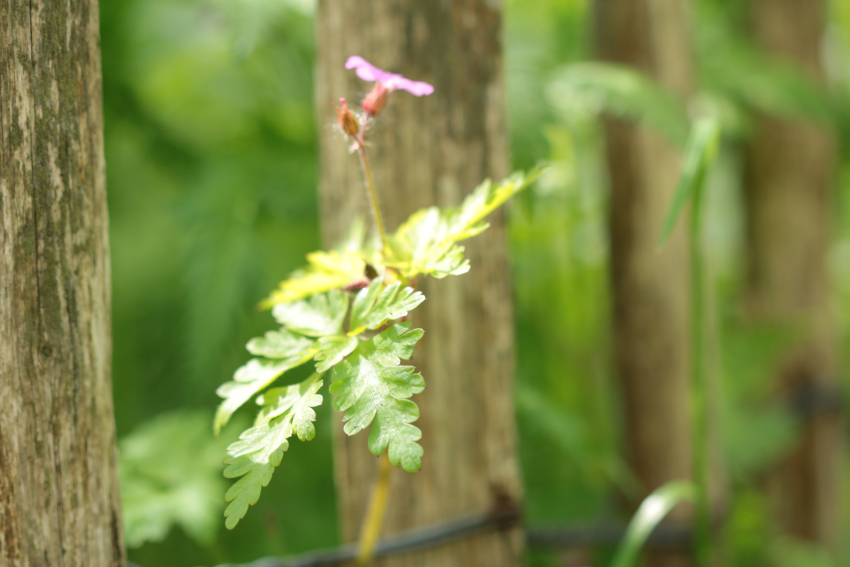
(211,153)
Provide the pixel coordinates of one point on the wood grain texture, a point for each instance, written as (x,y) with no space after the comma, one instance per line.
(427,151)
(651,289)
(790,168)
(59,500)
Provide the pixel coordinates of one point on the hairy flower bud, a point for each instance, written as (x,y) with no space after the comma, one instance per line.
(347,121)
(376,99)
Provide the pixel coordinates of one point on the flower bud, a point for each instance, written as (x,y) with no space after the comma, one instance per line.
(376,99)
(357,284)
(347,120)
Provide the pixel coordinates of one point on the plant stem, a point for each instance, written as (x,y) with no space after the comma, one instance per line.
(375,514)
(373,196)
(702,458)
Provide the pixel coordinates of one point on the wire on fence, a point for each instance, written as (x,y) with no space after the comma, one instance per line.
(806,401)
(664,536)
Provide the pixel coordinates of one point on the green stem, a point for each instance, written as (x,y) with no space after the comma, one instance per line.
(375,514)
(373,196)
(702,460)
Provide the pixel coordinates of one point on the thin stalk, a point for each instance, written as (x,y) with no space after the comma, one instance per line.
(702,528)
(375,514)
(373,196)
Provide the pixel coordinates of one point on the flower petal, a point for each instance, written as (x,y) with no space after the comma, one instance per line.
(391,81)
(366,70)
(417,88)
(355,61)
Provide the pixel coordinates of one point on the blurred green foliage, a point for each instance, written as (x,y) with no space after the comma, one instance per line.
(211,152)
(211,146)
(170,475)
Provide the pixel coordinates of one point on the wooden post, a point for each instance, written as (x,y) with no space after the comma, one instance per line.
(59,499)
(790,168)
(432,151)
(651,288)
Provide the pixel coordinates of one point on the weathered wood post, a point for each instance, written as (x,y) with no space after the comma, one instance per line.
(59,498)
(790,171)
(651,289)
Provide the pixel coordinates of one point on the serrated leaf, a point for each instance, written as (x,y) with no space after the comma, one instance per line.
(427,242)
(249,380)
(318,316)
(254,459)
(377,303)
(372,388)
(325,271)
(278,344)
(391,429)
(296,400)
(332,350)
(260,448)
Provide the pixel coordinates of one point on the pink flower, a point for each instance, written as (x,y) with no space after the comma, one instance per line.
(389,81)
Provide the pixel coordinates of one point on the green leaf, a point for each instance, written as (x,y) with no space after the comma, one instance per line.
(422,245)
(372,388)
(426,242)
(278,344)
(332,350)
(326,271)
(763,81)
(621,91)
(261,448)
(250,379)
(699,155)
(170,471)
(254,458)
(377,303)
(651,511)
(298,400)
(318,316)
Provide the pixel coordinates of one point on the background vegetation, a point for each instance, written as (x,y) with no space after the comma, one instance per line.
(211,152)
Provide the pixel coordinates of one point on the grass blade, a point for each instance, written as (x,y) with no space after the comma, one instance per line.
(651,511)
(699,155)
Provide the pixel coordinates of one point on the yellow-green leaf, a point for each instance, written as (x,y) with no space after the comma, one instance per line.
(427,242)
(325,271)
